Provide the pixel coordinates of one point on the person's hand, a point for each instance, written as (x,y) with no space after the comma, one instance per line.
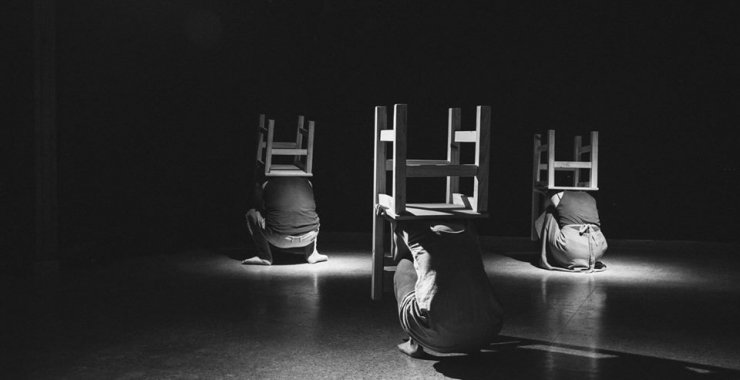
(379,210)
(260,220)
(257,216)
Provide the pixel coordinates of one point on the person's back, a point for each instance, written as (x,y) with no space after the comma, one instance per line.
(454,308)
(289,205)
(571,233)
(283,215)
(577,207)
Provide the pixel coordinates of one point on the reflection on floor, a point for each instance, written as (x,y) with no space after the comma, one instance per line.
(661,310)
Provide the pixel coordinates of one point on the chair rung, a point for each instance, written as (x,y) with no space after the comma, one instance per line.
(464,170)
(435,168)
(289,152)
(416,162)
(284,145)
(571,165)
(466,136)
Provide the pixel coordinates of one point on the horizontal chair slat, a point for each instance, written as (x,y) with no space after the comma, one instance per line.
(466,136)
(387,135)
(289,152)
(465,170)
(415,162)
(571,165)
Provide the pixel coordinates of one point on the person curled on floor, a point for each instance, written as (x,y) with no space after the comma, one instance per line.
(445,300)
(570,233)
(283,215)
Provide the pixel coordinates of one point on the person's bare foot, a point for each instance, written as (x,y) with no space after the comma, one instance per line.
(316,258)
(256,260)
(412,349)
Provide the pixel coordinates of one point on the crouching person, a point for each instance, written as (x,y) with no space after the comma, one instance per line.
(283,215)
(445,300)
(570,232)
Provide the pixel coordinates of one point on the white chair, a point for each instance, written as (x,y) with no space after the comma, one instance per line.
(300,149)
(585,164)
(394,203)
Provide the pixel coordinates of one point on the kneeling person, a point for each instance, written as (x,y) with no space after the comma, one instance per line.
(445,300)
(283,216)
(570,232)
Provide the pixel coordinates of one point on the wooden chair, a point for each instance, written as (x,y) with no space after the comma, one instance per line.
(395,205)
(546,163)
(300,149)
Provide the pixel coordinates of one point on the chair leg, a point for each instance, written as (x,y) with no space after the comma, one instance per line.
(376,286)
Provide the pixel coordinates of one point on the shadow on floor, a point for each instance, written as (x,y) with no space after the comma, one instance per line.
(510,358)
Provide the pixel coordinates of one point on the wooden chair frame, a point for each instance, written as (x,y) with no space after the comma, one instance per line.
(302,165)
(456,205)
(541,186)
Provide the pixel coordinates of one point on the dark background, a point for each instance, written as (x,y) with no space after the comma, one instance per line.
(158,103)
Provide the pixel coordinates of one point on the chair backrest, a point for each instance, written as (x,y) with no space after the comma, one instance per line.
(300,149)
(579,164)
(402,167)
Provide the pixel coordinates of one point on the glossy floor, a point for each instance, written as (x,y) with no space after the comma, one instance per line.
(661,310)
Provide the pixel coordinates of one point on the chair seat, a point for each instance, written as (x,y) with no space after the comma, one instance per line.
(300,149)
(417,211)
(543,187)
(287,170)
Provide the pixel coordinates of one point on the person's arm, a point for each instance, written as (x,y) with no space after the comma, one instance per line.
(257,201)
(547,209)
(257,204)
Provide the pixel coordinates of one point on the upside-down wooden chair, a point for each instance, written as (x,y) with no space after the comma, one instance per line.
(585,161)
(393,203)
(301,149)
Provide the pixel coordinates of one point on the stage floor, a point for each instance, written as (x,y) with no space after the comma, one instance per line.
(661,310)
